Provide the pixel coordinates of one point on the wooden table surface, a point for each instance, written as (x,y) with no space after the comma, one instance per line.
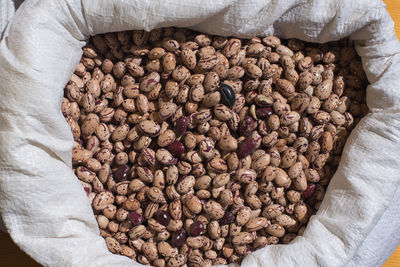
(12,256)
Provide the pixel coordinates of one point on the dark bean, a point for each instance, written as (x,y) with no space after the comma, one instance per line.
(227,95)
(121,173)
(264,113)
(228,218)
(181,125)
(246,126)
(178,238)
(246,147)
(176,148)
(197,228)
(135,218)
(309,191)
(163,217)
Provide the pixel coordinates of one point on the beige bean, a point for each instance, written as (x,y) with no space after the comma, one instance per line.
(246,175)
(156,195)
(243,216)
(194,204)
(113,245)
(80,155)
(84,174)
(301,211)
(102,200)
(169,62)
(213,209)
(165,157)
(90,124)
(144,174)
(321,117)
(222,113)
(271,41)
(285,220)
(149,82)
(337,118)
(203,182)
(324,89)
(195,242)
(275,230)
(326,142)
(151,209)
(272,211)
(186,184)
(176,261)
(312,175)
(196,92)
(243,238)
(289,118)
(137,232)
(211,99)
(300,182)
(167,110)
(156,226)
(149,128)
(166,138)
(228,143)
(120,133)
(284,50)
(253,71)
(314,105)
(207,62)
(175,209)
(295,170)
(293,196)
(256,224)
(232,47)
(142,104)
(289,157)
(282,179)
(221,180)
(285,87)
(189,58)
(150,251)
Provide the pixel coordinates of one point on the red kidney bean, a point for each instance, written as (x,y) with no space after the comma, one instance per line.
(309,191)
(246,147)
(181,125)
(246,126)
(264,113)
(121,173)
(135,218)
(163,217)
(197,228)
(228,218)
(176,148)
(178,238)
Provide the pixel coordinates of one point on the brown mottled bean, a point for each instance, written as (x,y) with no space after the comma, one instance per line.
(182,173)
(213,209)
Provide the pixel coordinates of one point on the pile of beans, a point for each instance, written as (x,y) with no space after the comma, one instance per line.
(196,150)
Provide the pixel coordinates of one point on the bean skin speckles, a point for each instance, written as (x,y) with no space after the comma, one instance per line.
(196,149)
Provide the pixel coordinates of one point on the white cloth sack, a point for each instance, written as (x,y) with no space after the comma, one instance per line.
(7,11)
(42,203)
